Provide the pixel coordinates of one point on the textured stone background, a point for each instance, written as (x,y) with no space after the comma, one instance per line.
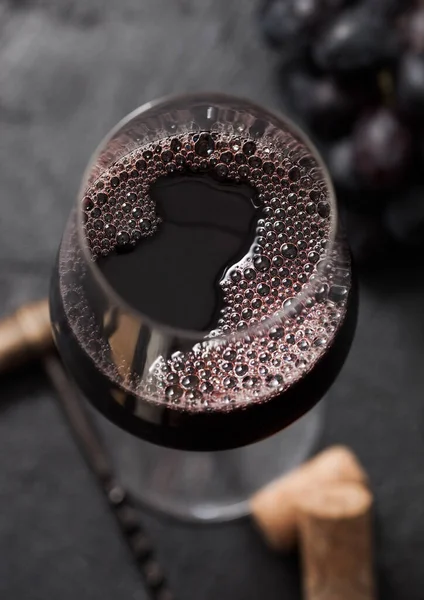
(68,72)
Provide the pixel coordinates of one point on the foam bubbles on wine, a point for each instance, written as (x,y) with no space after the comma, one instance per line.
(286,298)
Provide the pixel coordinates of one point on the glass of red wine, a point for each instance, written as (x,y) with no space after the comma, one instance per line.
(203,300)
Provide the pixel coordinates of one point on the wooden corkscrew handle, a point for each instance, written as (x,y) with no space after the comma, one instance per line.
(25,335)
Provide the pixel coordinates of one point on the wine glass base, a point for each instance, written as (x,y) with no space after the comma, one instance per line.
(207,486)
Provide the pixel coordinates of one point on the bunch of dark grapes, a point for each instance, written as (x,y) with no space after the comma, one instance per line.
(352,72)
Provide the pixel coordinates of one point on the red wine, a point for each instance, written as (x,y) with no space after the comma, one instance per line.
(219,234)
(173,276)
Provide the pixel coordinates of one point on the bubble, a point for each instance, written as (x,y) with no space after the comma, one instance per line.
(221,170)
(263,290)
(276,333)
(193,396)
(241,159)
(173,392)
(230,382)
(338,293)
(303,345)
(274,381)
(110,230)
(226,157)
(206,387)
(264,357)
(241,369)
(249,274)
(294,174)
(167,156)
(248,382)
(141,165)
(145,225)
(323,209)
(243,172)
(262,263)
(87,204)
(249,148)
(277,261)
(190,382)
(172,378)
(313,257)
(311,208)
(114,182)
(235,144)
(235,276)
(136,212)
(268,167)
(101,199)
(122,238)
(235,318)
(176,145)
(255,162)
(289,251)
(205,145)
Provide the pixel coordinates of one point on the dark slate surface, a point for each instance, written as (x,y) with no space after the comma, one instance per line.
(68,72)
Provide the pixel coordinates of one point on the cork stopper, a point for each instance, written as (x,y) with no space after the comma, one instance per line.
(275,507)
(335,532)
(25,335)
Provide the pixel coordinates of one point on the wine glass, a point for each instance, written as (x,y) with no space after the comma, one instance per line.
(196,405)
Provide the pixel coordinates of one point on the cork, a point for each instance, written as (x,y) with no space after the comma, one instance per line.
(25,335)
(335,534)
(274,507)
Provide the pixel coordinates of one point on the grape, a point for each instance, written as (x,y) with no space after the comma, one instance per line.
(353,72)
(410,85)
(404,217)
(286,23)
(341,162)
(323,104)
(391,8)
(358,38)
(382,147)
(413,30)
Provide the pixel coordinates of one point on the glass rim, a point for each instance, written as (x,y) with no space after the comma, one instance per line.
(213,98)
